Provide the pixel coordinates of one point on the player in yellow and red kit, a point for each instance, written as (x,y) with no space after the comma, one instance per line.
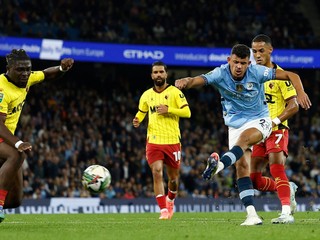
(281,97)
(165,104)
(14,86)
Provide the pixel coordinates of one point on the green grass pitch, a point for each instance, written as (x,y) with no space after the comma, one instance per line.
(202,226)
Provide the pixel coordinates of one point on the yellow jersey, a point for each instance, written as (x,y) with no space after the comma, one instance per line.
(162,129)
(277,92)
(12,98)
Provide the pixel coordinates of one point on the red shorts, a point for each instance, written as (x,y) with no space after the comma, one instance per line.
(169,153)
(276,142)
(1,140)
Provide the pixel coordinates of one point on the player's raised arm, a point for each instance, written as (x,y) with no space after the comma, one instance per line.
(190,82)
(58,71)
(303,98)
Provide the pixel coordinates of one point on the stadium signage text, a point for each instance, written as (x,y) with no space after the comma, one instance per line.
(96,205)
(55,49)
(138,54)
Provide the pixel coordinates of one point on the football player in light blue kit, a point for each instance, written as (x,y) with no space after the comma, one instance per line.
(246,114)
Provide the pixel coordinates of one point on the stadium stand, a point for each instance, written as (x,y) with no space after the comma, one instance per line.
(139,22)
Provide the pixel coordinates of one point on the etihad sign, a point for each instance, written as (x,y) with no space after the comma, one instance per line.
(139,54)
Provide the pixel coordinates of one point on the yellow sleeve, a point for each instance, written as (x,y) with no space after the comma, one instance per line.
(36,77)
(140,115)
(143,107)
(180,112)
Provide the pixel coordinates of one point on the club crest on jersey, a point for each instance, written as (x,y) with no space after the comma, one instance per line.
(239,87)
(249,86)
(1,97)
(271,85)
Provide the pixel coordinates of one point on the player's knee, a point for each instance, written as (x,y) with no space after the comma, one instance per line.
(157,173)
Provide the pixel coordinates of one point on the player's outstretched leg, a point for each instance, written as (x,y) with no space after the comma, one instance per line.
(212,166)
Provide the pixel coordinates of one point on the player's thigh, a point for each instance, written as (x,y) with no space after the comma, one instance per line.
(8,152)
(250,133)
(173,159)
(277,146)
(17,183)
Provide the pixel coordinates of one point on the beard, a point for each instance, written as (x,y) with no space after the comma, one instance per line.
(159,82)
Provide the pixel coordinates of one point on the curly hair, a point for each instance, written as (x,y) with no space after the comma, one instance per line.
(16,55)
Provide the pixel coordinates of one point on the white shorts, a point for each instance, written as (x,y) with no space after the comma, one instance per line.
(264,125)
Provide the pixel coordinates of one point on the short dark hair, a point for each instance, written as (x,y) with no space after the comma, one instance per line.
(241,51)
(16,55)
(262,38)
(159,63)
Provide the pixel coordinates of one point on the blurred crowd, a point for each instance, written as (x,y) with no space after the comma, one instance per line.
(75,122)
(188,22)
(86,119)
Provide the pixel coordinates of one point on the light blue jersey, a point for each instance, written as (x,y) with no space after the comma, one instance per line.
(242,101)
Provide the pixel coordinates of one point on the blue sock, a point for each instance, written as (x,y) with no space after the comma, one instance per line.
(231,156)
(246,191)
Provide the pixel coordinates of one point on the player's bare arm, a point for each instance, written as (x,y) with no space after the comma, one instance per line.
(292,107)
(303,98)
(58,71)
(189,82)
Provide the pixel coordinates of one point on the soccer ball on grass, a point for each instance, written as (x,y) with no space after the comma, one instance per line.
(96,178)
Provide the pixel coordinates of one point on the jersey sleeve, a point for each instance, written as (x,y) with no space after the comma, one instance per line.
(4,102)
(143,103)
(264,73)
(181,99)
(36,77)
(287,89)
(212,76)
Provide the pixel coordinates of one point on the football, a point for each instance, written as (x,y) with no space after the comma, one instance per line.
(96,178)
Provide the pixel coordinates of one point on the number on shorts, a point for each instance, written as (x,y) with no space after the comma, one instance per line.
(177,156)
(279,136)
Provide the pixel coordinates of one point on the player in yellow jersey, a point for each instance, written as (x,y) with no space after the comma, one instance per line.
(165,104)
(14,86)
(281,97)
